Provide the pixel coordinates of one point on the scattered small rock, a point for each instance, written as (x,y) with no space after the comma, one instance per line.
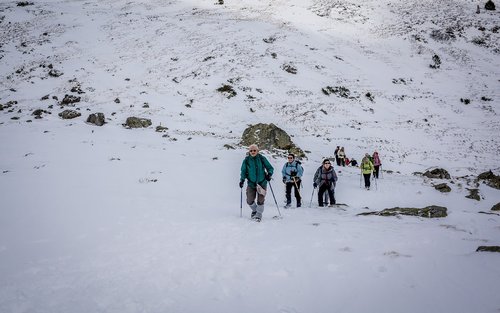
(465,101)
(136,122)
(46,97)
(70,100)
(490,179)
(432,211)
(24,3)
(38,113)
(442,187)
(340,91)
(473,194)
(69,114)
(438,173)
(488,249)
(289,68)
(161,129)
(55,73)
(227,90)
(490,6)
(437,62)
(117,100)
(229,147)
(97,119)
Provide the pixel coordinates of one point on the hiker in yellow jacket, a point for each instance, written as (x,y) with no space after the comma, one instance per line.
(367,169)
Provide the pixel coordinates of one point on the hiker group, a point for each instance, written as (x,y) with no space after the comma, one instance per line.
(257,171)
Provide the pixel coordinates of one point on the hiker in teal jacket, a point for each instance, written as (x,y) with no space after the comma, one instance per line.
(257,170)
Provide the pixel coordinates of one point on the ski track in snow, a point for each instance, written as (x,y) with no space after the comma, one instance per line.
(106,219)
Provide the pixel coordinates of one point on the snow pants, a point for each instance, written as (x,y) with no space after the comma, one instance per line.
(367,180)
(258,207)
(322,190)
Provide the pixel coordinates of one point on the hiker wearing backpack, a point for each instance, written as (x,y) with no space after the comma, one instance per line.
(376,164)
(366,169)
(326,179)
(257,170)
(292,177)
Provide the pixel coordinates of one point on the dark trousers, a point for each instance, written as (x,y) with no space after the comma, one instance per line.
(367,179)
(322,190)
(338,160)
(296,186)
(375,173)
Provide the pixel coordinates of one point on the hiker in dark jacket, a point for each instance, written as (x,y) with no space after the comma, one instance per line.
(257,170)
(336,152)
(292,174)
(325,178)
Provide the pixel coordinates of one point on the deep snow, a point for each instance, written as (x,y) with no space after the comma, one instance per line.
(107,219)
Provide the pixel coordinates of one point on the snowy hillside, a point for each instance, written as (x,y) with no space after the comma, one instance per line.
(110,219)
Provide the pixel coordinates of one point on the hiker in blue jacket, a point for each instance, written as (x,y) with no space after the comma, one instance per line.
(292,177)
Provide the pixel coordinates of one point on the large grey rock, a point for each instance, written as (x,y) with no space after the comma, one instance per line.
(97,119)
(136,122)
(270,137)
(69,114)
(437,173)
(431,211)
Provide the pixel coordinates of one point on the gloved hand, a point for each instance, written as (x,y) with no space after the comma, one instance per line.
(315,185)
(268,177)
(284,180)
(241,183)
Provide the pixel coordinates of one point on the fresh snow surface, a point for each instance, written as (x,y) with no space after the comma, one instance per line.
(109,219)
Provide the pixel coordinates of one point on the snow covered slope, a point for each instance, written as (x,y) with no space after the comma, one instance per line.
(109,219)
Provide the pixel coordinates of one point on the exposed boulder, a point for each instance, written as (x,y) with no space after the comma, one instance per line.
(69,114)
(437,173)
(490,6)
(490,179)
(97,119)
(136,122)
(488,249)
(473,194)
(432,211)
(442,187)
(496,207)
(270,137)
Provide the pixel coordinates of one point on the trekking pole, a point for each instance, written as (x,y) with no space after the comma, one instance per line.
(272,192)
(360,178)
(297,187)
(241,202)
(381,173)
(376,185)
(312,195)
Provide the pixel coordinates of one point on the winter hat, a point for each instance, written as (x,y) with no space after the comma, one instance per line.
(325,160)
